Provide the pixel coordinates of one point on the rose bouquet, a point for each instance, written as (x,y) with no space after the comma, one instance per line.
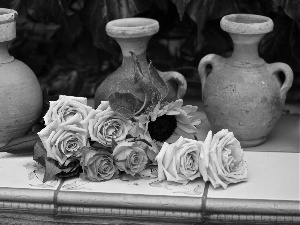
(122,135)
(125,135)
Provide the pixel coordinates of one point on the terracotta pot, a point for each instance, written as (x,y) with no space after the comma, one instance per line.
(133,34)
(20,93)
(243,93)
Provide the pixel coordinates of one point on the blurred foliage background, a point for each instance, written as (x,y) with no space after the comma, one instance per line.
(64,41)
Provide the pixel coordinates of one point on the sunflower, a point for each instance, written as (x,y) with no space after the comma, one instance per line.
(166,123)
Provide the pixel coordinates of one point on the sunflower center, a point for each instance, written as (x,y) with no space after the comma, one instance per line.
(162,128)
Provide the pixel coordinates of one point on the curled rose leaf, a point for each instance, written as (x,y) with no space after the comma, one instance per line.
(158,82)
(126,104)
(150,85)
(152,96)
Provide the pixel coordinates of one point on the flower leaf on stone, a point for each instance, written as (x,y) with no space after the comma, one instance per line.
(39,153)
(51,169)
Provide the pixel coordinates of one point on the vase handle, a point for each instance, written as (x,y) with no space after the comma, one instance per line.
(177,82)
(211,59)
(274,68)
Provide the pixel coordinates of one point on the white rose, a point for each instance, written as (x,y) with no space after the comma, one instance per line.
(65,108)
(179,162)
(221,159)
(63,140)
(104,125)
(130,157)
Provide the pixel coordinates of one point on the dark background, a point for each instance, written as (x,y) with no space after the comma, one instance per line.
(64,41)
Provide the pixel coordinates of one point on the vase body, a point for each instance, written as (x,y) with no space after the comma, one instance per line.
(133,34)
(243,93)
(20,93)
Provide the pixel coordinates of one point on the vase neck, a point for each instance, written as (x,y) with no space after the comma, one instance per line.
(136,45)
(245,48)
(5,57)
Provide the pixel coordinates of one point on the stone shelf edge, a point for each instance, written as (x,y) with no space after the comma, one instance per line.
(30,206)
(252,211)
(35,206)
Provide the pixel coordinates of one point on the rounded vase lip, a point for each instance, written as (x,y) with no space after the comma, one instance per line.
(132,27)
(7,15)
(246,24)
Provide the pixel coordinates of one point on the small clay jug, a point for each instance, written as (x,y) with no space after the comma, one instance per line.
(20,93)
(243,93)
(133,34)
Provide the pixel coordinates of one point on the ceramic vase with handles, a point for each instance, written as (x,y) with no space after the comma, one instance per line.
(133,34)
(21,98)
(243,93)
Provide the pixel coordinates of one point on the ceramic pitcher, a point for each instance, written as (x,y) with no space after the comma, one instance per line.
(243,93)
(20,93)
(133,34)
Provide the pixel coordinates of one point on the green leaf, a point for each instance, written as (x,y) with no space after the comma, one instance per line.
(128,136)
(127,177)
(72,170)
(291,8)
(21,145)
(113,145)
(158,82)
(97,14)
(95,145)
(200,11)
(181,6)
(152,95)
(39,153)
(46,103)
(125,104)
(50,170)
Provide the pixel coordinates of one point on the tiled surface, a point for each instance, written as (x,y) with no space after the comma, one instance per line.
(23,172)
(139,187)
(271,176)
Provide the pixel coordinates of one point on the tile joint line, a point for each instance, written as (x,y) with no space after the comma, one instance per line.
(56,195)
(203,201)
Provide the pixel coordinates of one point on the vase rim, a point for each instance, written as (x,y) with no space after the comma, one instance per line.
(132,27)
(246,24)
(7,15)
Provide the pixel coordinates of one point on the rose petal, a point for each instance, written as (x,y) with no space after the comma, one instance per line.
(206,146)
(159,159)
(218,136)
